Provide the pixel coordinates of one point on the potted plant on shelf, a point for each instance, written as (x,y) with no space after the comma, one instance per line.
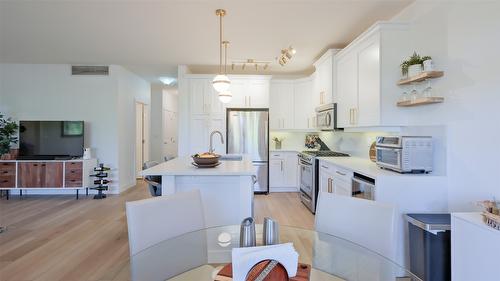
(8,136)
(414,65)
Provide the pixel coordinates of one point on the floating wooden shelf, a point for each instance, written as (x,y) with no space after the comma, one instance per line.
(421,101)
(421,77)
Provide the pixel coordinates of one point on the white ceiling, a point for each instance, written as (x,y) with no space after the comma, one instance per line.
(152,37)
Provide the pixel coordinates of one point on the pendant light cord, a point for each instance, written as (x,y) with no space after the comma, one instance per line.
(220,46)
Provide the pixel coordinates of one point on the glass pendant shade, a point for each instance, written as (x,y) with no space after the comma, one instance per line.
(221,83)
(225,96)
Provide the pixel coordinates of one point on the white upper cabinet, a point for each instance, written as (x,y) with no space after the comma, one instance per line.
(258,93)
(366,73)
(304,106)
(281,105)
(323,84)
(249,92)
(347,89)
(204,99)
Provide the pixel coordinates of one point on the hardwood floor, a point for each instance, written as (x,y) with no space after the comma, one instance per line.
(60,238)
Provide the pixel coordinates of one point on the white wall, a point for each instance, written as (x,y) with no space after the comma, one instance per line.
(131,88)
(50,92)
(464,40)
(156,123)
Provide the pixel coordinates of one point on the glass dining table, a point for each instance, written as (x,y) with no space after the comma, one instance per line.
(199,255)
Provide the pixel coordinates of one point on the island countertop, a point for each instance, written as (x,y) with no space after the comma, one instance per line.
(182,166)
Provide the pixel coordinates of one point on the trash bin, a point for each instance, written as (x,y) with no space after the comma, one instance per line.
(429,237)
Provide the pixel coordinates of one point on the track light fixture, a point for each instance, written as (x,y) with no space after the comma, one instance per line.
(286,55)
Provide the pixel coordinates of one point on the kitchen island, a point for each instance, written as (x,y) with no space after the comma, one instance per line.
(226,190)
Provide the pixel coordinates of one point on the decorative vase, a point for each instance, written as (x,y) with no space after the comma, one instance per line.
(277,145)
(414,70)
(428,65)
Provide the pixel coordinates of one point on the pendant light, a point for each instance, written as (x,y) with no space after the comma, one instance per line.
(221,82)
(225,96)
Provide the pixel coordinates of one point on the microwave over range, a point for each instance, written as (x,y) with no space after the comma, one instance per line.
(326,117)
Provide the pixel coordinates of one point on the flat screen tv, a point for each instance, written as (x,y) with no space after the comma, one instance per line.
(50,139)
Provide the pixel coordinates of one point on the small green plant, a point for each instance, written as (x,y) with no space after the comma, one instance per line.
(413,60)
(8,134)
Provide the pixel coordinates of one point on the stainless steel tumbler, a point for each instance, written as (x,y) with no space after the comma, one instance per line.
(271,234)
(247,233)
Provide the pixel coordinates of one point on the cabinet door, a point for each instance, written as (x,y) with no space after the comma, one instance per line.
(325,80)
(347,89)
(238,90)
(199,134)
(30,174)
(325,181)
(304,108)
(198,96)
(275,110)
(276,173)
(368,112)
(291,167)
(342,187)
(258,93)
(215,105)
(52,174)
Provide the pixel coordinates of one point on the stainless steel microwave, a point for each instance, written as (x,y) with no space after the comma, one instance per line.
(326,117)
(405,154)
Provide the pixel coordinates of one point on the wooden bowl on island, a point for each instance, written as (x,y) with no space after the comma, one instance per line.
(206,158)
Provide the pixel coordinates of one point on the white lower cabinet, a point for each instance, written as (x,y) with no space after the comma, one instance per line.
(333,179)
(283,168)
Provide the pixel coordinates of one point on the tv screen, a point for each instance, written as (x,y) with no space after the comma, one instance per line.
(50,139)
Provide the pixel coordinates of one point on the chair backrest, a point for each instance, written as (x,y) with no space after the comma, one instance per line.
(153,220)
(367,223)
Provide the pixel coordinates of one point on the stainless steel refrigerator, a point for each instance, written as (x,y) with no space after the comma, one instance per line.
(248,133)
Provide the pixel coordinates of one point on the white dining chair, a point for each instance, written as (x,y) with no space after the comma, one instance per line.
(151,221)
(367,223)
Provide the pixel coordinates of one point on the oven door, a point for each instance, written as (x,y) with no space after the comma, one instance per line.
(324,120)
(306,178)
(389,157)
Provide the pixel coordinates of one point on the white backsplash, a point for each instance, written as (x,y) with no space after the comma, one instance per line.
(358,144)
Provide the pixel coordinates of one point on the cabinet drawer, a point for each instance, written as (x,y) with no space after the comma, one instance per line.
(73,165)
(277,155)
(7,181)
(75,174)
(73,182)
(7,169)
(345,175)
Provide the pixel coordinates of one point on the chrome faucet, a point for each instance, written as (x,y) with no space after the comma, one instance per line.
(211,150)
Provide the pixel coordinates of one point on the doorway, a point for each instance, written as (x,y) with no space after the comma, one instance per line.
(141,136)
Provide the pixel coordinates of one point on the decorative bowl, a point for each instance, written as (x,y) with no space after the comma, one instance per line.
(206,158)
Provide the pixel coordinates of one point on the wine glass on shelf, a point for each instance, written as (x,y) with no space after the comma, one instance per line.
(427,93)
(414,92)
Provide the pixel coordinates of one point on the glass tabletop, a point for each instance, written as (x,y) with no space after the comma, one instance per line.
(199,255)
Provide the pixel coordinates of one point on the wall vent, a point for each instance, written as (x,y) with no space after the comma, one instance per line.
(89,70)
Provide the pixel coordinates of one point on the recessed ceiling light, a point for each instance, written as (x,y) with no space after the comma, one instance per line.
(169,81)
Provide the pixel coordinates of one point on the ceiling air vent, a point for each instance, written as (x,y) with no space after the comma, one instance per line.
(89,70)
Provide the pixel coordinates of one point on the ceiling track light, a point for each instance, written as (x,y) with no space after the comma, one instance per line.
(256,64)
(286,55)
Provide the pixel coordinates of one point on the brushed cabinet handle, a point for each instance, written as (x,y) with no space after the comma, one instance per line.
(249,100)
(323,166)
(330,188)
(340,173)
(281,164)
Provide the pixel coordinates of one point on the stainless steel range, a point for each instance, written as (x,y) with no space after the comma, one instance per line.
(309,175)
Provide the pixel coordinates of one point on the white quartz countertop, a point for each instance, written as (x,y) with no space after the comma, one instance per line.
(182,167)
(366,167)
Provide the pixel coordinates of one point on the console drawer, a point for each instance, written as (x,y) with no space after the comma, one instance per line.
(7,181)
